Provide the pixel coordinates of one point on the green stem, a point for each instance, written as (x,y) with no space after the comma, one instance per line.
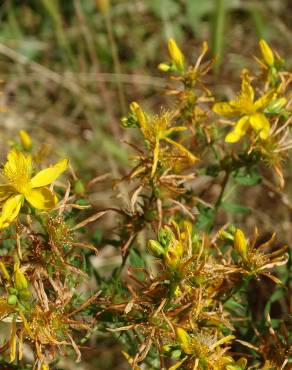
(218,32)
(220,198)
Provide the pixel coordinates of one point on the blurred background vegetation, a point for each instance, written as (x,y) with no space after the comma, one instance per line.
(70,69)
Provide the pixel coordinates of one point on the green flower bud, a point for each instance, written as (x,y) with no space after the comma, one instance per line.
(155,248)
(164,236)
(12,300)
(79,187)
(20,280)
(24,293)
(276,105)
(164,67)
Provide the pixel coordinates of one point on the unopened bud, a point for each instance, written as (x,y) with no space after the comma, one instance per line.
(135,108)
(79,187)
(12,300)
(225,235)
(165,235)
(267,53)
(240,243)
(176,54)
(184,340)
(20,280)
(276,105)
(25,140)
(164,67)
(155,248)
(4,271)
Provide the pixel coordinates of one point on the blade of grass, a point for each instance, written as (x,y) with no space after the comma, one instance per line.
(218,27)
(106,11)
(53,9)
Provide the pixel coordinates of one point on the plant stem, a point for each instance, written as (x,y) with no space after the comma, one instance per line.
(220,198)
(218,32)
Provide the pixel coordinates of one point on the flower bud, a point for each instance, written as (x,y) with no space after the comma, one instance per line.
(164,67)
(184,340)
(240,243)
(267,53)
(176,54)
(25,140)
(276,105)
(20,280)
(4,271)
(12,300)
(225,235)
(155,248)
(165,235)
(24,293)
(79,187)
(135,108)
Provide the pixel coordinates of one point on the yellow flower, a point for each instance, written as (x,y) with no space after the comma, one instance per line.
(267,53)
(20,185)
(250,112)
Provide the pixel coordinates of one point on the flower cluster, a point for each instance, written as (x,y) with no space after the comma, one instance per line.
(180,296)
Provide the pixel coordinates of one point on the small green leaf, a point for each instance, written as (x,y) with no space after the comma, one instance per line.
(247,176)
(235,208)
(205,219)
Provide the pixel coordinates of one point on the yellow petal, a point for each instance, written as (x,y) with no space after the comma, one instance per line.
(228,110)
(10,210)
(18,168)
(41,198)
(260,124)
(155,158)
(48,175)
(267,53)
(183,150)
(265,100)
(247,92)
(177,365)
(12,342)
(5,192)
(239,130)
